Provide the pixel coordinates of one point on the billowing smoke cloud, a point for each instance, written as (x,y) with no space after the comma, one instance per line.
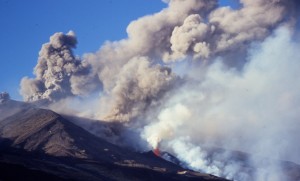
(58,72)
(196,28)
(254,111)
(225,30)
(190,77)
(170,120)
(138,86)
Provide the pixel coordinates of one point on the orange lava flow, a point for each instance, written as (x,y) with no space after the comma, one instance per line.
(156,152)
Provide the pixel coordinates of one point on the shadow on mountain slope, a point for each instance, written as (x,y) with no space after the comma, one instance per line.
(38,143)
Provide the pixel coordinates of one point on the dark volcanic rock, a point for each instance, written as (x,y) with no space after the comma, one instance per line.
(45,131)
(39,143)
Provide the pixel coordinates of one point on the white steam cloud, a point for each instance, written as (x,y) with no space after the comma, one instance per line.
(254,111)
(189,78)
(170,120)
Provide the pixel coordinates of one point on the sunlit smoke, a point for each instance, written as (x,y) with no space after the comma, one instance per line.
(59,73)
(190,77)
(254,110)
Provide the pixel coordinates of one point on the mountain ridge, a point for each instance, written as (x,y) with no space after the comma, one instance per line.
(44,141)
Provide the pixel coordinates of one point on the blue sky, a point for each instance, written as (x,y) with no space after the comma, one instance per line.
(27,24)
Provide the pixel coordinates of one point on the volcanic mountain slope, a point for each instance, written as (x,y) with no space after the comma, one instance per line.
(39,144)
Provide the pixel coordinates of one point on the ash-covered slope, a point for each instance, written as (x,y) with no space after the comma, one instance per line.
(41,143)
(42,130)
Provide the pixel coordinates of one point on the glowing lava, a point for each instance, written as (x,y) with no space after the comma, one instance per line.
(156,152)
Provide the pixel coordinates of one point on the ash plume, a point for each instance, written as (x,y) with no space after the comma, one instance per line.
(138,86)
(59,73)
(198,29)
(225,30)
(192,76)
(254,111)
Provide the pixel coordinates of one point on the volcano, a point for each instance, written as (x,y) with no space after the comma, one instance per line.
(39,144)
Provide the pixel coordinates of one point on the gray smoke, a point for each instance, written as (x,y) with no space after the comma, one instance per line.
(225,30)
(138,86)
(255,110)
(4,96)
(59,73)
(190,75)
(195,28)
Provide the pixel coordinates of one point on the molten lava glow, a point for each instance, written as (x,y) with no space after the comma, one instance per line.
(156,152)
